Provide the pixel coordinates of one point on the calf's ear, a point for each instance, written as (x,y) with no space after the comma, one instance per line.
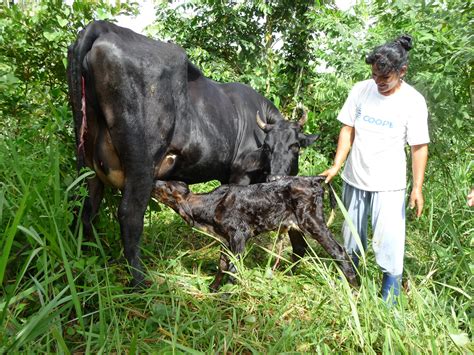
(186,213)
(307,139)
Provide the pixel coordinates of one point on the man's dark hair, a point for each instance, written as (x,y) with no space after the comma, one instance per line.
(391,56)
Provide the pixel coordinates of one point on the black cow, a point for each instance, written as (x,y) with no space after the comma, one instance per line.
(235,213)
(143,112)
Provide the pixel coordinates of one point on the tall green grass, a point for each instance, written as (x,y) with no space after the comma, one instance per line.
(61,293)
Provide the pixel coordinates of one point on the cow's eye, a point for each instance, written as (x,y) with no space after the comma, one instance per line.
(295,148)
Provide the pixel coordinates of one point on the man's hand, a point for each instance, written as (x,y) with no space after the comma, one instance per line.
(344,143)
(419,154)
(416,199)
(330,173)
(470,199)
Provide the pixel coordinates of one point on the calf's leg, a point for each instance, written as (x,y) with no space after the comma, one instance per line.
(223,267)
(313,223)
(337,252)
(298,243)
(236,246)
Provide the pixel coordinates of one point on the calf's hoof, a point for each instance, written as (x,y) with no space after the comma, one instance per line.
(213,287)
(216,284)
(352,278)
(354,282)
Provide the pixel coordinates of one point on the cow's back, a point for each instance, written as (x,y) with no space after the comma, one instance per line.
(140,85)
(134,89)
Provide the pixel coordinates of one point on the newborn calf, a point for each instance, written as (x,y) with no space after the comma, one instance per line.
(235,213)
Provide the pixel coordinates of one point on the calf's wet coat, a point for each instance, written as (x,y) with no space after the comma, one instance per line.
(236,213)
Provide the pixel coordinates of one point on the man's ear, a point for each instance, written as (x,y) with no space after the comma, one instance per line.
(403,71)
(307,139)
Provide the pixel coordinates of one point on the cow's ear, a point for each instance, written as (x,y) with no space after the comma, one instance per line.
(307,139)
(252,161)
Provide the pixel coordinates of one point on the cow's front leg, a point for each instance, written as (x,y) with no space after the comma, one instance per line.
(247,169)
(135,197)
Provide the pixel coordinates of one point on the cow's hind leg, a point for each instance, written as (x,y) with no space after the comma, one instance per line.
(135,197)
(91,206)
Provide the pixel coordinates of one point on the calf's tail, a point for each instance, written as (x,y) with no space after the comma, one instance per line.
(332,196)
(332,199)
(332,203)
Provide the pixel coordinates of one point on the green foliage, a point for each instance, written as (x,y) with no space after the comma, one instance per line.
(60,293)
(256,42)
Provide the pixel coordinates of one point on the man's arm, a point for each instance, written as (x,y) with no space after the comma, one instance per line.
(419,156)
(344,143)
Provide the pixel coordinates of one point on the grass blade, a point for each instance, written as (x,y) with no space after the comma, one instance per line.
(10,235)
(351,226)
(44,315)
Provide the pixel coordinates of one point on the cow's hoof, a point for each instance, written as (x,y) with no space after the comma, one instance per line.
(140,285)
(117,261)
(294,269)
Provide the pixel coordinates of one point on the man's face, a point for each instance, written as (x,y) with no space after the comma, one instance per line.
(387,84)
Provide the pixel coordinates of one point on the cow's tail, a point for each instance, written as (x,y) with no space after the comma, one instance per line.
(74,86)
(76,76)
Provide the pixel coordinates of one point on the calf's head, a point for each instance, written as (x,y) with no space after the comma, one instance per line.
(282,144)
(174,194)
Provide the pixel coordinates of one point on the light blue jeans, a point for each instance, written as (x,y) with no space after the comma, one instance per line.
(387,211)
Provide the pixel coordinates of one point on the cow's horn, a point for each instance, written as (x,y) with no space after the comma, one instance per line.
(304,118)
(260,123)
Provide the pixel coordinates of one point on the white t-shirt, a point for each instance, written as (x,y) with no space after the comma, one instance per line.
(383,125)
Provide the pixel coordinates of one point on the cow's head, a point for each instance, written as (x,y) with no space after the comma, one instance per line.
(282,144)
